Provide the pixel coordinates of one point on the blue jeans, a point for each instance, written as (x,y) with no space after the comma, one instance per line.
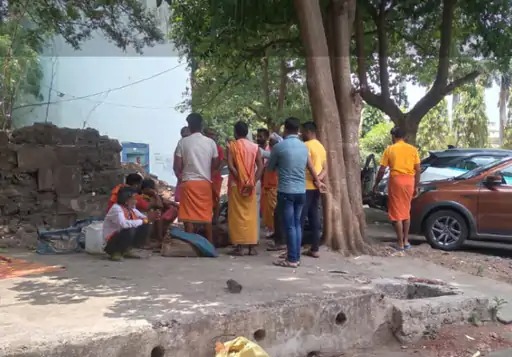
(291,205)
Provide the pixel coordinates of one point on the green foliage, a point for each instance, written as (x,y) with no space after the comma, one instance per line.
(224,97)
(19,68)
(376,140)
(370,117)
(236,35)
(126,22)
(433,130)
(470,122)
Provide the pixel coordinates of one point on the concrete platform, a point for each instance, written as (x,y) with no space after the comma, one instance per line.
(101,308)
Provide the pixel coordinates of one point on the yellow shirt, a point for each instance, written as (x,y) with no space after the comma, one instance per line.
(401,158)
(318,157)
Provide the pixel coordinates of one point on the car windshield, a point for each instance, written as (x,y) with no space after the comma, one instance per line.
(478,170)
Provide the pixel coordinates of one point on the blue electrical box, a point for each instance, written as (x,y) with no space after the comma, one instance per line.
(137,153)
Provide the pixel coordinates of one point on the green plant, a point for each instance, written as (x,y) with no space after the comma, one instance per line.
(495,308)
(376,141)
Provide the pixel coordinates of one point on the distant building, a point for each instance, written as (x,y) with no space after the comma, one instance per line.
(137,153)
(124,95)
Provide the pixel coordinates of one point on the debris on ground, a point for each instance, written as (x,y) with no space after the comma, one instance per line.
(234,287)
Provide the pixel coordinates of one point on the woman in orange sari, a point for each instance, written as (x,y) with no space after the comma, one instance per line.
(245,169)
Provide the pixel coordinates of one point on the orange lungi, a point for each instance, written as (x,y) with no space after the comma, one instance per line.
(196,202)
(400,194)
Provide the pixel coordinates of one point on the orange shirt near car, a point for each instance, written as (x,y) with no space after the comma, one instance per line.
(401,158)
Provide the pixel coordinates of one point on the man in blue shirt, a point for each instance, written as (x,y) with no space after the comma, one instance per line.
(291,158)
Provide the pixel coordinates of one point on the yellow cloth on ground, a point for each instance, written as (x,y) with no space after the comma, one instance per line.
(239,347)
(269,202)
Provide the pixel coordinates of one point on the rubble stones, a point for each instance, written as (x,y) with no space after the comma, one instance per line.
(51,176)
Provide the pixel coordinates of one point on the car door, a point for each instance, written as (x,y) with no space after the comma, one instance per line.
(495,206)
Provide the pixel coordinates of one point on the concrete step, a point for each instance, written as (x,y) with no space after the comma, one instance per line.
(506,353)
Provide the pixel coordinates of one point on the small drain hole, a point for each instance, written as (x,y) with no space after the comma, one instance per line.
(158,351)
(341,319)
(259,334)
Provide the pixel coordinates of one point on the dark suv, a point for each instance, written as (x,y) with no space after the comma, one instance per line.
(453,162)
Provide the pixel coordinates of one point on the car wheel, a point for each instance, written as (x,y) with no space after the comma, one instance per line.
(446,230)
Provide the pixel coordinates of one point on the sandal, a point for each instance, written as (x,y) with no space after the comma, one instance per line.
(286,264)
(408,246)
(311,254)
(237,252)
(252,252)
(276,248)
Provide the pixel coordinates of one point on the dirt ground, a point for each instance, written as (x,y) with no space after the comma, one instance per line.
(451,341)
(485,259)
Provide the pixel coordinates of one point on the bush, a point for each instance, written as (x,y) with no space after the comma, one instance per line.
(376,141)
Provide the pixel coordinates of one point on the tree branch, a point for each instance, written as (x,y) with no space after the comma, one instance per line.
(256,112)
(435,95)
(383,51)
(443,66)
(377,101)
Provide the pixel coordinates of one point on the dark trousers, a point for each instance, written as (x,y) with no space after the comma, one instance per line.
(312,212)
(126,239)
(279,233)
(291,205)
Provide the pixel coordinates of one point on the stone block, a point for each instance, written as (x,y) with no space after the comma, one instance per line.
(69,155)
(62,220)
(8,158)
(31,157)
(67,180)
(45,180)
(102,182)
(46,201)
(67,204)
(415,319)
(4,138)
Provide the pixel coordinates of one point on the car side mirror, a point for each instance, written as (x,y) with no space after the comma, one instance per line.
(493,180)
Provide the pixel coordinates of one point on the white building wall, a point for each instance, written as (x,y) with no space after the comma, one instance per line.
(124,95)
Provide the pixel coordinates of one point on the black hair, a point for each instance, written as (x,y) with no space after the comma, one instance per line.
(263,131)
(184,131)
(124,194)
(309,126)
(398,132)
(292,125)
(241,129)
(133,179)
(195,122)
(148,183)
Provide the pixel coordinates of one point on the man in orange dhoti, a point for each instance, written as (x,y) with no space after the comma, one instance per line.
(404,163)
(195,158)
(216,176)
(245,169)
(269,191)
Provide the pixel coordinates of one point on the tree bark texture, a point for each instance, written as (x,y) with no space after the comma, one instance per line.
(342,228)
(503,102)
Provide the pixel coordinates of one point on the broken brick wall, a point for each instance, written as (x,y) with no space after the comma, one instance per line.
(50,177)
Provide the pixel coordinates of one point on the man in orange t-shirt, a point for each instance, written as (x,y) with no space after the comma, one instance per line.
(403,161)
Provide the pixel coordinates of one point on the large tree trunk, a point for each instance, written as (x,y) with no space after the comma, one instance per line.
(341,225)
(411,126)
(503,101)
(349,103)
